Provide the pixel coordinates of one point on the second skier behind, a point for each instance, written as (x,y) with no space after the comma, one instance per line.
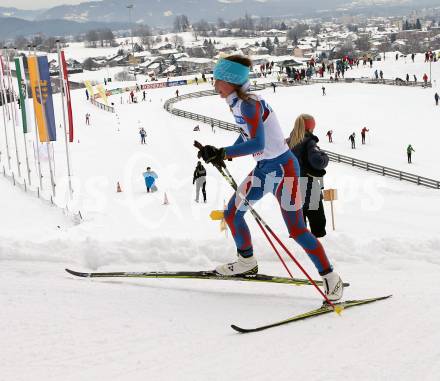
(277,172)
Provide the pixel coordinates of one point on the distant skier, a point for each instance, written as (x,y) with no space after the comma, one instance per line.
(409,151)
(177,93)
(88,119)
(415,78)
(381,74)
(436,97)
(276,172)
(87,94)
(412,57)
(352,139)
(376,74)
(323,90)
(150,178)
(407,77)
(312,162)
(330,136)
(425,79)
(363,133)
(199,178)
(273,86)
(143,135)
(144,94)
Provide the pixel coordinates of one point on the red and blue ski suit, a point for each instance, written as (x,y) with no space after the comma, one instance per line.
(277,172)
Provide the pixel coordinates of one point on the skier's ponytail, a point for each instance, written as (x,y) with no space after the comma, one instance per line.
(299,129)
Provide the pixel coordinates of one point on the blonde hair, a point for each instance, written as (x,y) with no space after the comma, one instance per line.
(299,130)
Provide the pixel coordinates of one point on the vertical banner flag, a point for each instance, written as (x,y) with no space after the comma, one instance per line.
(89,89)
(102,93)
(3,86)
(68,100)
(22,92)
(42,96)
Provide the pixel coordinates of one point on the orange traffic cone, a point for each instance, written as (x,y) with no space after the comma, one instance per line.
(165,199)
(118,187)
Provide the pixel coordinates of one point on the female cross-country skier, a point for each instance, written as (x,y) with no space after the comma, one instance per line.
(276,172)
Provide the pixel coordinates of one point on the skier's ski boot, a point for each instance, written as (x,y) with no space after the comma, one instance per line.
(333,286)
(243,266)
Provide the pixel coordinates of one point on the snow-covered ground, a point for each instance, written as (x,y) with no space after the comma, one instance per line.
(386,242)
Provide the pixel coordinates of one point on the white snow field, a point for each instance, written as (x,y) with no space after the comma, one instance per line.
(55,327)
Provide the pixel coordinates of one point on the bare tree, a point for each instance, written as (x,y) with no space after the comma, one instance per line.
(181,23)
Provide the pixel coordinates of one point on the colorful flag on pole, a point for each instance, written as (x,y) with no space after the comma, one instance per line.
(68,100)
(3,89)
(102,93)
(89,89)
(23,93)
(42,97)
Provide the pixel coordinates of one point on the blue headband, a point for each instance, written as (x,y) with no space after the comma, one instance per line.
(231,72)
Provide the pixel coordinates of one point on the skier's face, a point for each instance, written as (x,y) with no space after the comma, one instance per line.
(223,88)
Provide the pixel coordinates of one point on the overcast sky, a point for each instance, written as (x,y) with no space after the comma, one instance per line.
(32,4)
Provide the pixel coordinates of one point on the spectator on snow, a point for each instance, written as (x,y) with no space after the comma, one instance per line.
(415,78)
(330,136)
(352,139)
(412,57)
(425,78)
(409,151)
(177,93)
(143,135)
(150,178)
(363,132)
(407,77)
(273,86)
(381,74)
(323,90)
(87,94)
(88,119)
(199,178)
(436,97)
(376,74)
(144,94)
(303,143)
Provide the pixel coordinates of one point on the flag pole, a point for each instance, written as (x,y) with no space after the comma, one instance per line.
(52,180)
(40,176)
(13,111)
(63,98)
(22,92)
(4,107)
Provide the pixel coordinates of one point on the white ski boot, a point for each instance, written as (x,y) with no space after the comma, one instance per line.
(333,286)
(243,266)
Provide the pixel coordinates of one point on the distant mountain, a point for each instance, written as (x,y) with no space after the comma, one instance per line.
(72,19)
(162,12)
(20,13)
(11,27)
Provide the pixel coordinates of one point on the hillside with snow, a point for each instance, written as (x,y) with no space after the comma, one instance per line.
(386,242)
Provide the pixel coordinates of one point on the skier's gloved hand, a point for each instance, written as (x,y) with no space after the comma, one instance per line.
(213,155)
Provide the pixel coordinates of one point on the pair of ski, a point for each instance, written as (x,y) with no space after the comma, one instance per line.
(259,278)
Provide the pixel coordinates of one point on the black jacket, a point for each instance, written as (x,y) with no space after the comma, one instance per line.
(199,172)
(312,162)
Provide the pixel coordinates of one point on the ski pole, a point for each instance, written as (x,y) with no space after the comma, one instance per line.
(233,184)
(269,229)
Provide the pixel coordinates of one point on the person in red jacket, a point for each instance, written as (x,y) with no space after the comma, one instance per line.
(363,132)
(425,78)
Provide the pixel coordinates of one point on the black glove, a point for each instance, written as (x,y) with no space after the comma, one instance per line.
(211,154)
